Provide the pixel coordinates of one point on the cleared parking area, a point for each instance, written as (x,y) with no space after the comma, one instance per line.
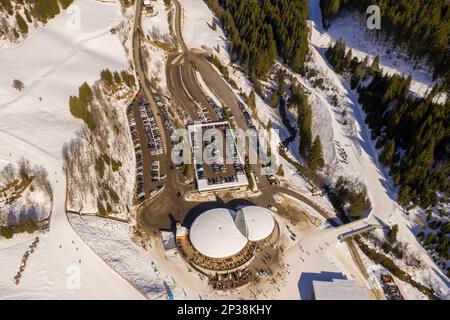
(150,171)
(217,168)
(151,130)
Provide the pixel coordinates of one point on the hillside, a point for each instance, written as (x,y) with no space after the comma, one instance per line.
(259,32)
(337,117)
(427,22)
(19,18)
(35,124)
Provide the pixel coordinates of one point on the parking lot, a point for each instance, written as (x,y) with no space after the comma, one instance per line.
(150,169)
(214,169)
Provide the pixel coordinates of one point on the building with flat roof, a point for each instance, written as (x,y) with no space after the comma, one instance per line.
(169,243)
(339,289)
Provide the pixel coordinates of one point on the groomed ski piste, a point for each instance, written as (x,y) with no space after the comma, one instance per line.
(35,123)
(37,130)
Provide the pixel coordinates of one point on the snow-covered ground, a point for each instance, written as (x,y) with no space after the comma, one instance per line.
(34,124)
(156,59)
(361,153)
(158,40)
(109,145)
(34,203)
(197,29)
(155,24)
(363,42)
(342,133)
(149,268)
(111,240)
(37,129)
(8,36)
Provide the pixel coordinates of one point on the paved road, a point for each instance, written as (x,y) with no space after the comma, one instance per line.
(377,293)
(224,92)
(139,65)
(185,89)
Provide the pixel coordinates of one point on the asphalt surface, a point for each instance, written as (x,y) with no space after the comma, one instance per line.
(169,206)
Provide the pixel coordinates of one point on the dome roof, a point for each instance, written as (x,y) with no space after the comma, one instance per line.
(256,223)
(214,234)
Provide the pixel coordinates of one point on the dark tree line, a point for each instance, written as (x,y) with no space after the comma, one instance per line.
(420,27)
(412,133)
(414,136)
(41,10)
(259,31)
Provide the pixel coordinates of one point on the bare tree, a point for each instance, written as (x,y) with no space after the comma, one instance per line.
(18,85)
(41,176)
(86,134)
(8,174)
(24,169)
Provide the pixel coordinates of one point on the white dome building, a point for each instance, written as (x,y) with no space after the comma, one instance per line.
(255,223)
(214,234)
(222,233)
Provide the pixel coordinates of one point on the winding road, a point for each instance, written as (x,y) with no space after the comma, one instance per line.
(182,70)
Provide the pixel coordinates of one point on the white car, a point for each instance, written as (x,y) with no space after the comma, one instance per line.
(140,195)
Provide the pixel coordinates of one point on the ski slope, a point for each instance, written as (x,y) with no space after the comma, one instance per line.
(363,157)
(35,124)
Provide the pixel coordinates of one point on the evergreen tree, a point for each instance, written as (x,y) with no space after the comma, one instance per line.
(274,100)
(419,28)
(388,153)
(45,10)
(329,10)
(298,97)
(117,78)
(315,158)
(65,3)
(5,5)
(128,79)
(305,131)
(107,77)
(79,110)
(376,64)
(417,126)
(336,56)
(23,26)
(392,234)
(28,16)
(77,107)
(353,196)
(348,59)
(251,100)
(356,76)
(259,30)
(85,93)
